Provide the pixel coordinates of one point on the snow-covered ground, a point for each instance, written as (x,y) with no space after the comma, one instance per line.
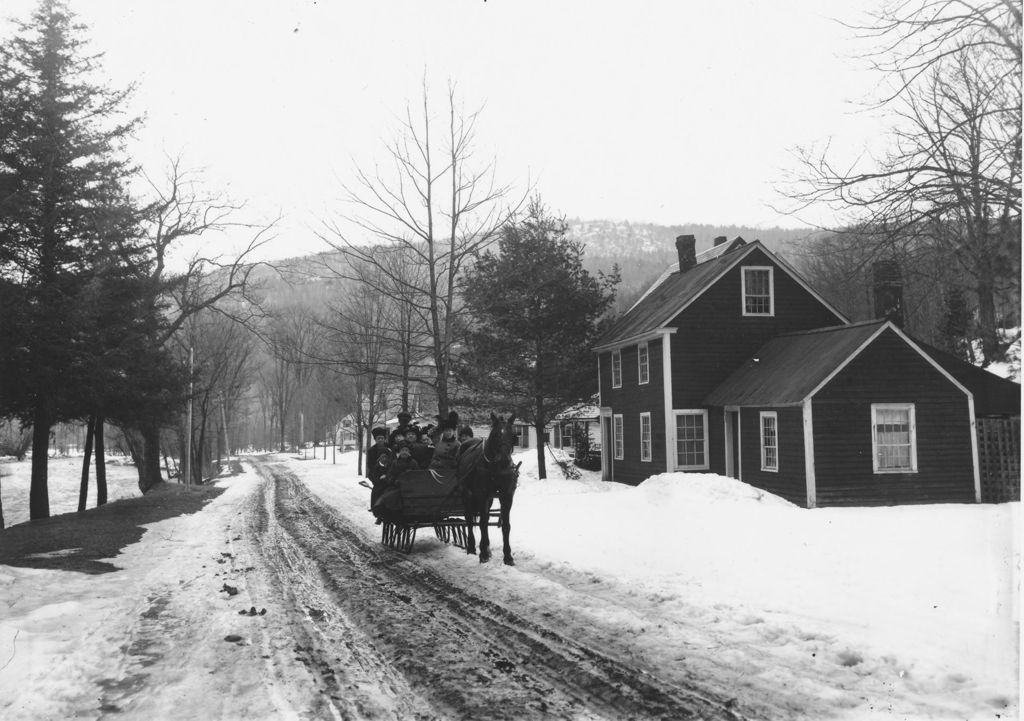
(923,600)
(66,476)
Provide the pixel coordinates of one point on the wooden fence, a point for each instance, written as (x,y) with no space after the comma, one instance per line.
(999,459)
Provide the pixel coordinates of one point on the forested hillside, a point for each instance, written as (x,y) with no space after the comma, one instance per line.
(643,250)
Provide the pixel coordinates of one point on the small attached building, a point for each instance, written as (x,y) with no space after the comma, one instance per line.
(851,415)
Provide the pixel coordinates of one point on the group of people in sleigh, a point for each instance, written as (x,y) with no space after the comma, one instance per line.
(411,447)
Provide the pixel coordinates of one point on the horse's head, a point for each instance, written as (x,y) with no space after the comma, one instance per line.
(501,441)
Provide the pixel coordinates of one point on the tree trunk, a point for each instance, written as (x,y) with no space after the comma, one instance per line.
(101,465)
(39,494)
(83,491)
(147,457)
(991,346)
(541,469)
(442,386)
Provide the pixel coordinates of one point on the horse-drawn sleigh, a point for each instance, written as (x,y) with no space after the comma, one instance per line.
(452,501)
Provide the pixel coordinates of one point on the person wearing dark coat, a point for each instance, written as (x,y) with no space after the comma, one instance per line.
(390,496)
(376,460)
(446,449)
(421,452)
(403,462)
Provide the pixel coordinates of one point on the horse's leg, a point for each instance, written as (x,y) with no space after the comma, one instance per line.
(485,517)
(506,525)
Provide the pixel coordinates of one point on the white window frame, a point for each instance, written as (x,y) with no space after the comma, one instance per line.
(773,416)
(912,419)
(643,363)
(618,441)
(523,436)
(616,369)
(771,289)
(646,438)
(562,428)
(675,438)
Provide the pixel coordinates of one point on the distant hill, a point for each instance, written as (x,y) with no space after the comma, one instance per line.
(643,250)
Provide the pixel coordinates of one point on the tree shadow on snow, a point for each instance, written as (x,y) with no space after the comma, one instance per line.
(78,541)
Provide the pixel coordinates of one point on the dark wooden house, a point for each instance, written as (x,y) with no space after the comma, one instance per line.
(732,364)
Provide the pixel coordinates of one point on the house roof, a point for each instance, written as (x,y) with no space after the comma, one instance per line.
(790,367)
(579,412)
(674,291)
(993,395)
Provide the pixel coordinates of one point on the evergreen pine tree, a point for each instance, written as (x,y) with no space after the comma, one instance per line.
(63,205)
(536,314)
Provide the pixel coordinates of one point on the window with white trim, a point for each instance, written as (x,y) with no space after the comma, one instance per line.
(691,440)
(567,435)
(616,369)
(894,437)
(643,362)
(769,441)
(758,290)
(618,442)
(645,437)
(522,436)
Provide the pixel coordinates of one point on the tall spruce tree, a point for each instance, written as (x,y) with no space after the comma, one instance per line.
(536,313)
(63,206)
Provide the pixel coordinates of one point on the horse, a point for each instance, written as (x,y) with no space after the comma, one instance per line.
(486,472)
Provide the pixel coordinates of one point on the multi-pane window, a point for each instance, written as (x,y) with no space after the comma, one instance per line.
(758,291)
(769,441)
(522,436)
(618,442)
(645,437)
(691,440)
(643,362)
(894,437)
(567,435)
(616,369)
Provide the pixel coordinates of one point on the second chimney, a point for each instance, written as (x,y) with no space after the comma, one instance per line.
(888,291)
(686,246)
(719,240)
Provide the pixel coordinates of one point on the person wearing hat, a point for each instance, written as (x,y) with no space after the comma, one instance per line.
(404,420)
(446,449)
(377,461)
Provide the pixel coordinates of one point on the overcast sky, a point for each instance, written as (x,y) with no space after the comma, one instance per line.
(666,111)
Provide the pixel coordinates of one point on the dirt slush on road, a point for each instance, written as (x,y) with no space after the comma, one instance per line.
(388,638)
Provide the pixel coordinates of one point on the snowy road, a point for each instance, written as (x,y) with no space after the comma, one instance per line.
(683,598)
(385,637)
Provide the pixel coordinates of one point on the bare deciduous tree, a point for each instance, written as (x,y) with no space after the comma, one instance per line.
(181,211)
(440,209)
(948,184)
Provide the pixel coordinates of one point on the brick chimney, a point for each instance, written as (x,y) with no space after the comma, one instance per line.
(686,246)
(719,240)
(888,291)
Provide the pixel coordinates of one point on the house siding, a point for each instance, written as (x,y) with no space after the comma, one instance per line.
(630,401)
(889,371)
(714,336)
(789,481)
